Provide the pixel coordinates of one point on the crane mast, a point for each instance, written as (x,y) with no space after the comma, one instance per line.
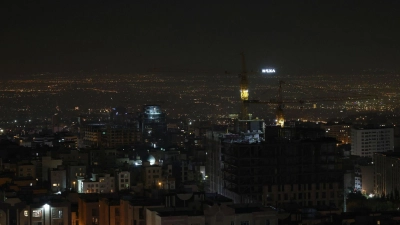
(244,90)
(280,117)
(279,102)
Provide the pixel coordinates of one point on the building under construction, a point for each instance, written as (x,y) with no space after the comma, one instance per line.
(247,168)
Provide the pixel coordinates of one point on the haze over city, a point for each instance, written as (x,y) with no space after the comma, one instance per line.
(199,113)
(133,36)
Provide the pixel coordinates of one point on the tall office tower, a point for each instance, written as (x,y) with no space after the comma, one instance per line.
(247,169)
(340,131)
(153,124)
(367,139)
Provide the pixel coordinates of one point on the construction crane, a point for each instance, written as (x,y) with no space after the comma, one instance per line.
(279,102)
(280,118)
(244,90)
(244,84)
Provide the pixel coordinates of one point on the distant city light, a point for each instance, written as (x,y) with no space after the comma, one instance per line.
(268,70)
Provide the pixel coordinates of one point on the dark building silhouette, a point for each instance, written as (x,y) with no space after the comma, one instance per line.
(247,169)
(110,136)
(56,123)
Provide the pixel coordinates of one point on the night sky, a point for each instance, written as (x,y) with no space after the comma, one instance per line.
(134,36)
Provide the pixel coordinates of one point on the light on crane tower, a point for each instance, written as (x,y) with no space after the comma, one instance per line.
(280,117)
(244,94)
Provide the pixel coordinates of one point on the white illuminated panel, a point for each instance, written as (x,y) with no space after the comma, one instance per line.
(37,213)
(268,70)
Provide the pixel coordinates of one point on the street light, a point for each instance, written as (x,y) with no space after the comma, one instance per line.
(46,212)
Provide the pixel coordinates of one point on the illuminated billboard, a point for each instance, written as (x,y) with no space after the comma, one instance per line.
(268,70)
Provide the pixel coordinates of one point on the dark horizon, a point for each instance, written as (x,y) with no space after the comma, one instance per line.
(130,36)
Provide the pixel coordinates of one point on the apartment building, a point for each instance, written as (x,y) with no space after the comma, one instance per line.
(367,140)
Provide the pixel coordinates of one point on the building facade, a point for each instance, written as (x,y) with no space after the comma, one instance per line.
(152,176)
(88,210)
(342,132)
(88,186)
(26,170)
(242,214)
(48,163)
(311,194)
(387,170)
(58,180)
(123,180)
(111,136)
(74,172)
(367,141)
(275,165)
(46,213)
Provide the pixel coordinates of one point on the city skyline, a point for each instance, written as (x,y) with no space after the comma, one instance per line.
(111,37)
(201,96)
(183,112)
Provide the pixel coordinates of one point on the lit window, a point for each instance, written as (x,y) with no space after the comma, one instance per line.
(57,214)
(37,213)
(26,213)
